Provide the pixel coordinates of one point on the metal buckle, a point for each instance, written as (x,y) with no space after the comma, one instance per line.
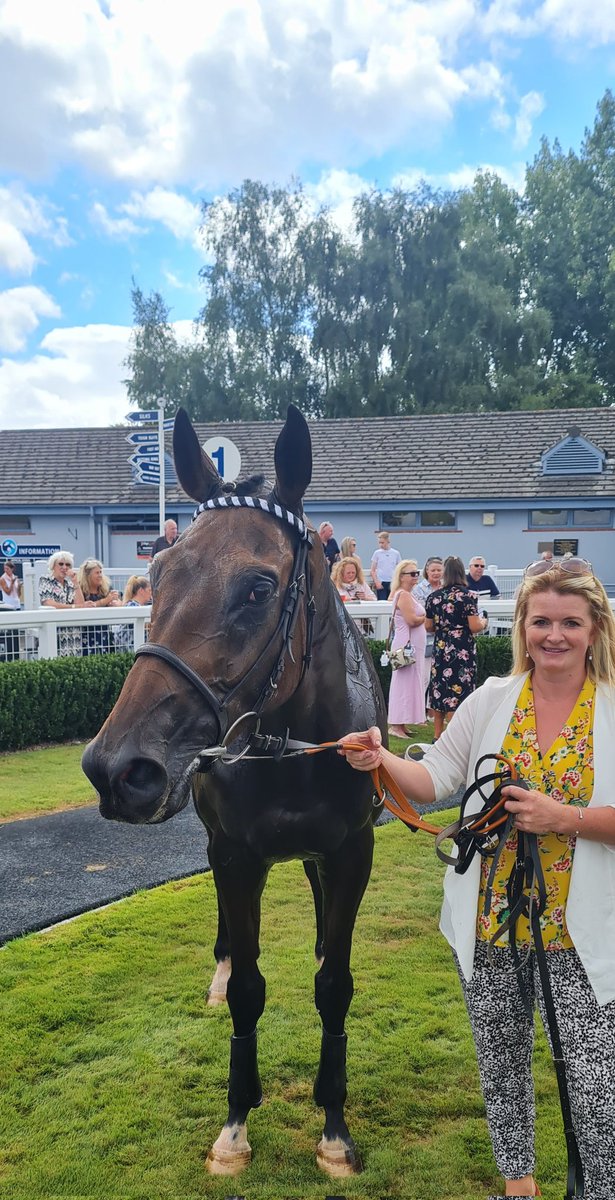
(221,753)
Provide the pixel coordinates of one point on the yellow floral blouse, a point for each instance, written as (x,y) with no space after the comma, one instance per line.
(566,773)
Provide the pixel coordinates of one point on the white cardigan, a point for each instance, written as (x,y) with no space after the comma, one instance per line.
(479,727)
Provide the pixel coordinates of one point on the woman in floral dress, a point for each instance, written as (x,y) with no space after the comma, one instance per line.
(452,616)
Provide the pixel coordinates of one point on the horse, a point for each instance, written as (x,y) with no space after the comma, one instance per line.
(247,628)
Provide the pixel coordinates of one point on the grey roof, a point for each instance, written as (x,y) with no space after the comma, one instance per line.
(423,458)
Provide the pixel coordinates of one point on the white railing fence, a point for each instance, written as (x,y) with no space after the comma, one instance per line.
(56,633)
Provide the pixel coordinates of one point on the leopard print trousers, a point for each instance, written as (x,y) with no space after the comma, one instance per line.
(504,1039)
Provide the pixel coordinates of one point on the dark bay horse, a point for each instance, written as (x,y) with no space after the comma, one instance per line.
(245,619)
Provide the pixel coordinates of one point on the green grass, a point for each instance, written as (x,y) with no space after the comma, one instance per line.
(45,780)
(115,1073)
(50,778)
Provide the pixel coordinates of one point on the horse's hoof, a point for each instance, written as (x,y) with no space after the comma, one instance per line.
(231,1153)
(217,987)
(337,1158)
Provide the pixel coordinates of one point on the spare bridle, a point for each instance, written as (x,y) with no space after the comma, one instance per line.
(298,586)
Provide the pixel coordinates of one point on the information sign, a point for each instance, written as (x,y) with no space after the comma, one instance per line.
(144,549)
(10,549)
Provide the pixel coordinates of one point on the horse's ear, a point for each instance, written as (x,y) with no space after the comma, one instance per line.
(195,470)
(293,460)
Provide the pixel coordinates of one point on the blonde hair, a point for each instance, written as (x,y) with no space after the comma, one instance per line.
(132,585)
(397,573)
(601,665)
(338,567)
(345,547)
(85,570)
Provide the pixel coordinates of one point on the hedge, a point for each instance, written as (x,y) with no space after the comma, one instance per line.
(60,699)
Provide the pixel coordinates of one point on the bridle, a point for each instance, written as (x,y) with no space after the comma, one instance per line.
(298,586)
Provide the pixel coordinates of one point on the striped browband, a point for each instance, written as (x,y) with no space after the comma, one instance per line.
(276,510)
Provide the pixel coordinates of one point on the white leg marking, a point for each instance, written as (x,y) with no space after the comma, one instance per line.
(231,1152)
(217,987)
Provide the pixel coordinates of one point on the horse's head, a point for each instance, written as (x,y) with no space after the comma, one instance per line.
(228,629)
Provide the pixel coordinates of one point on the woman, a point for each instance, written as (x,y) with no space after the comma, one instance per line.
(555,717)
(406,693)
(95,585)
(430,582)
(348,577)
(97,590)
(60,588)
(452,616)
(349,548)
(9,586)
(138,590)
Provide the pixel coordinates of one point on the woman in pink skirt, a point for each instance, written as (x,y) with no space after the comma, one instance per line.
(407,693)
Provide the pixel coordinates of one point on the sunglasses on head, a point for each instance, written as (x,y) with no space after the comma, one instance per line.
(569,566)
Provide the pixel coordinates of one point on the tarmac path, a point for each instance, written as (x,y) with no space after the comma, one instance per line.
(56,866)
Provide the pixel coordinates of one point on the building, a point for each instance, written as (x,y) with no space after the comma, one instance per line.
(505,485)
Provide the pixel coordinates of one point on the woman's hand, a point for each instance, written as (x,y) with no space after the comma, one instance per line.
(533,811)
(367,759)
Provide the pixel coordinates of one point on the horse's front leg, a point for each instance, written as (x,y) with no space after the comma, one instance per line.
(240,879)
(311,870)
(344,877)
(216,993)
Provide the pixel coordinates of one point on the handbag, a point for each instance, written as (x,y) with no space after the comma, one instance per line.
(405,656)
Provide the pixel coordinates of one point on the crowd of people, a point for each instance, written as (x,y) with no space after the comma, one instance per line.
(435,616)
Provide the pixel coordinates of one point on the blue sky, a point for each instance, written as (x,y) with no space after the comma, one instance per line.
(118,116)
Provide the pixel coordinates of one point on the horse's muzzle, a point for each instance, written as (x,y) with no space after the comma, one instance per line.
(131,788)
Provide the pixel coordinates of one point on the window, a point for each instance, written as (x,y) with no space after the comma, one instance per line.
(9,523)
(398,520)
(437,519)
(548,517)
(411,519)
(593,517)
(131,523)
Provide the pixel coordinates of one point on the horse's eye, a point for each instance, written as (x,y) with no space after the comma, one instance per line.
(261,592)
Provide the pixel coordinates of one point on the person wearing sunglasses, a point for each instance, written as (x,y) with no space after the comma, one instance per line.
(478,580)
(406,693)
(60,588)
(554,717)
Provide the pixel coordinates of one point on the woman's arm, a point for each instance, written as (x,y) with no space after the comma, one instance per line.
(408,609)
(537,813)
(5,587)
(414,780)
(477,623)
(367,593)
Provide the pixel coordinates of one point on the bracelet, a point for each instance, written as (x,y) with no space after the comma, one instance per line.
(581,816)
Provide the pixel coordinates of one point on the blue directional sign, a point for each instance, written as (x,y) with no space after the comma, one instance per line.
(10,549)
(147,474)
(144,460)
(143,437)
(145,415)
(168,424)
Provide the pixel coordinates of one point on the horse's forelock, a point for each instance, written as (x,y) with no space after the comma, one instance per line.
(254,485)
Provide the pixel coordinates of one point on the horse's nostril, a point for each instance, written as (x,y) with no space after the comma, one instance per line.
(141,782)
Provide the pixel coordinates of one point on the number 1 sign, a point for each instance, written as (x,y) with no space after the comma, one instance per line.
(225,455)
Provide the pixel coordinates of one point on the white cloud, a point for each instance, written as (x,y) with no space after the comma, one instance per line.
(168,208)
(337,191)
(16,254)
(20,312)
(513,177)
(208,94)
(117,228)
(591,23)
(23,214)
(530,107)
(74,379)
